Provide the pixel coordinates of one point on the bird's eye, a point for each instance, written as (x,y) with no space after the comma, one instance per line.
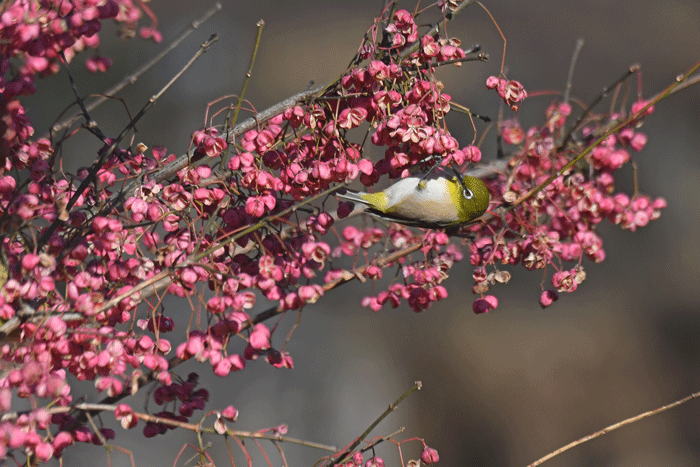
(467,193)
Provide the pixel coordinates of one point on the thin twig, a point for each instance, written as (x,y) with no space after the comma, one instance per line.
(133,77)
(435,29)
(127,452)
(98,433)
(162,279)
(482,57)
(345,277)
(182,161)
(605,135)
(112,147)
(90,124)
(205,46)
(574,59)
(381,439)
(88,408)
(342,457)
(685,84)
(632,69)
(260,24)
(503,36)
(614,427)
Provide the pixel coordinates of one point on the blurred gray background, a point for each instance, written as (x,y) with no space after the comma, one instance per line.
(500,389)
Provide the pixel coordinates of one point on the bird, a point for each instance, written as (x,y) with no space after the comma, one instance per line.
(435,203)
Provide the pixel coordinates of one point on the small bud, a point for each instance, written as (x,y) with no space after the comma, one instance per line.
(429,456)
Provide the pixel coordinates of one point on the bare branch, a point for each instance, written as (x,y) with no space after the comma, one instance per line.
(133,77)
(614,427)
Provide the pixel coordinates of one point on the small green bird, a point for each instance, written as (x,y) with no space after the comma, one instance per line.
(436,203)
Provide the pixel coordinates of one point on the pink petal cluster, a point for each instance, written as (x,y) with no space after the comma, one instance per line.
(251,217)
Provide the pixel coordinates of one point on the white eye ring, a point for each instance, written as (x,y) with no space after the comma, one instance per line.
(467,193)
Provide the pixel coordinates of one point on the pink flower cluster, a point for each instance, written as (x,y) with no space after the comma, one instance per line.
(512,92)
(423,278)
(37,35)
(428,456)
(557,225)
(252,217)
(183,393)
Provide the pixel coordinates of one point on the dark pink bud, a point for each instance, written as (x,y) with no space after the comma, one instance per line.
(151,429)
(548,297)
(344,209)
(484,305)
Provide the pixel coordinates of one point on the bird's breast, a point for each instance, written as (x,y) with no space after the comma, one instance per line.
(431,204)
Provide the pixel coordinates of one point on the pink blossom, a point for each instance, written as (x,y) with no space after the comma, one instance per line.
(429,455)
